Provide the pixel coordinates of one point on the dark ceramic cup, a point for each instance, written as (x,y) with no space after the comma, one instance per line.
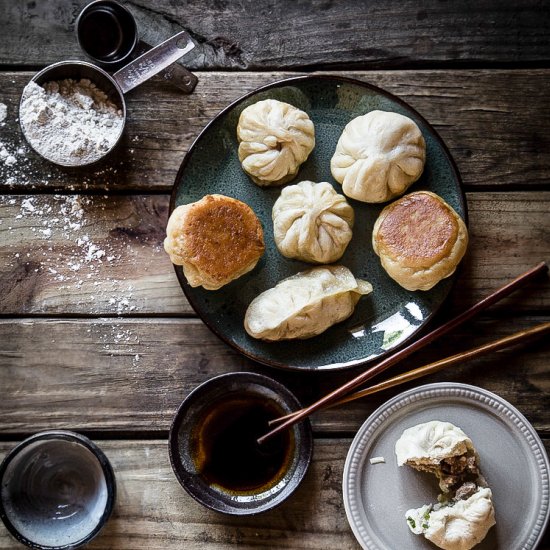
(57,490)
(107,32)
(213,448)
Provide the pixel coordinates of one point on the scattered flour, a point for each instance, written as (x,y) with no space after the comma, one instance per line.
(70,122)
(81,264)
(7,155)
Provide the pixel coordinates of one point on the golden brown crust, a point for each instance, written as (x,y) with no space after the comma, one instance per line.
(216,239)
(420,229)
(420,240)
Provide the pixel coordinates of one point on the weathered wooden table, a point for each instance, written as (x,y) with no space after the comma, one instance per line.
(95,333)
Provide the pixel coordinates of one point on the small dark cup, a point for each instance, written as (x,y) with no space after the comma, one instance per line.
(57,490)
(213,449)
(107,32)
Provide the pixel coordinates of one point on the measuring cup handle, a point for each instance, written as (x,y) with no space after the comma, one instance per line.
(153,61)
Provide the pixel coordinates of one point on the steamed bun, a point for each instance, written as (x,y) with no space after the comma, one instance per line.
(378,156)
(312,222)
(459,526)
(275,138)
(430,443)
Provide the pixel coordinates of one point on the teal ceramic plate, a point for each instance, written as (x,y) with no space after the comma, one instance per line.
(382,320)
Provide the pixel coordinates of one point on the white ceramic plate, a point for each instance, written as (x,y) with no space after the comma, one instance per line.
(512,458)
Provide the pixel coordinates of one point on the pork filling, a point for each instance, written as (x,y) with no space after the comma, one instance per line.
(453,472)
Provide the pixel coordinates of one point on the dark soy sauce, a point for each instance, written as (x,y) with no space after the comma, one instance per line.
(225,450)
(101,33)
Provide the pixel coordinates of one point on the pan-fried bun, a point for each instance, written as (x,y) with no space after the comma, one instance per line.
(216,240)
(420,240)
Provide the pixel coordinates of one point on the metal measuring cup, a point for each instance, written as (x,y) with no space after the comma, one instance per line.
(107,32)
(115,86)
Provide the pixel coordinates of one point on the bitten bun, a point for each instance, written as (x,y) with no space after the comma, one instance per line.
(216,240)
(420,240)
(464,512)
(430,443)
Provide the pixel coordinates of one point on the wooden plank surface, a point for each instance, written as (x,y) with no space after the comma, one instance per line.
(153,512)
(130,375)
(103,255)
(95,332)
(485,117)
(320,33)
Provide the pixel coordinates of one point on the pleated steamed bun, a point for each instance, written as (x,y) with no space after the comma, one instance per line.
(275,138)
(312,222)
(378,156)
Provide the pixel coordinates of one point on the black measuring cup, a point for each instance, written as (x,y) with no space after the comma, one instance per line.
(107,32)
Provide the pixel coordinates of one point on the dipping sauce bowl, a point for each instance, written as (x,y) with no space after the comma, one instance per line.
(213,448)
(57,490)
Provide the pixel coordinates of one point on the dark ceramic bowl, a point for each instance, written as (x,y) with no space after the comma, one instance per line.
(213,447)
(57,490)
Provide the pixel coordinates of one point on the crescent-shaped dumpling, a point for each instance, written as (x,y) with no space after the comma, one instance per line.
(305,304)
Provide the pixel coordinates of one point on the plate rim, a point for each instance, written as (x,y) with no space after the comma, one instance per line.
(339,366)
(455,389)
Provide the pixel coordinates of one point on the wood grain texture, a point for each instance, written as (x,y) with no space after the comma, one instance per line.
(319,33)
(131,375)
(153,512)
(496,124)
(103,255)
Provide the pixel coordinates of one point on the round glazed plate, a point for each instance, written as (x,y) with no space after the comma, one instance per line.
(382,320)
(512,459)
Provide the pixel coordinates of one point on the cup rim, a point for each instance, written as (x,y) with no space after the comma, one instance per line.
(303,451)
(115,62)
(106,468)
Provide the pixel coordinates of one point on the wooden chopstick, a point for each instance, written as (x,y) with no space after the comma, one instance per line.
(408,350)
(495,345)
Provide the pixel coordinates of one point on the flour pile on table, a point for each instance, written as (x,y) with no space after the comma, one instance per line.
(70,122)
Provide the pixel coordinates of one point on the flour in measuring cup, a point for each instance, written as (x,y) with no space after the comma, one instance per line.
(68,121)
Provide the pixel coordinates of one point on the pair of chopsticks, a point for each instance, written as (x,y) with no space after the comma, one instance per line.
(342,394)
